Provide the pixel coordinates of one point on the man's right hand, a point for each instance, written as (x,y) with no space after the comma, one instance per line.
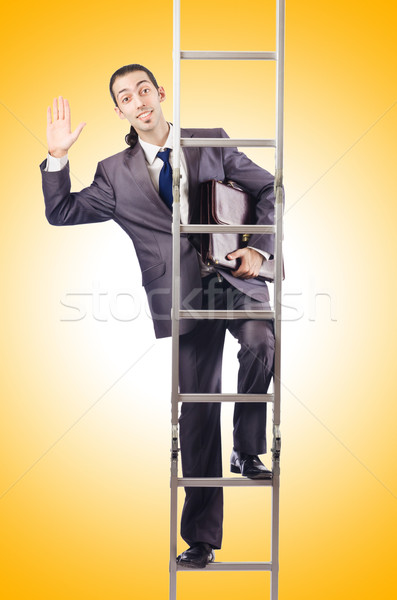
(59,135)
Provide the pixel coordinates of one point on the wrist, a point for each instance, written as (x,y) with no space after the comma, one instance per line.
(57,153)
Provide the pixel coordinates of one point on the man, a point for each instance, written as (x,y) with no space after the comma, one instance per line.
(131,188)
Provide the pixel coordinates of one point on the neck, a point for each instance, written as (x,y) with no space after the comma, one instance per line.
(158,136)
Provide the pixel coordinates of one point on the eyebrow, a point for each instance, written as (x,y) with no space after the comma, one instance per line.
(137,85)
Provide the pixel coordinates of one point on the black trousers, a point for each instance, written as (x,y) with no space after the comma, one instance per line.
(200,372)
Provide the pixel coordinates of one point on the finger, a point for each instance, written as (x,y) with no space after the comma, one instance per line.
(237,253)
(61,108)
(55,109)
(246,269)
(49,116)
(67,110)
(77,131)
(240,272)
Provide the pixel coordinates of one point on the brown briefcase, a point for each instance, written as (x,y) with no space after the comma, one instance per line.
(227,204)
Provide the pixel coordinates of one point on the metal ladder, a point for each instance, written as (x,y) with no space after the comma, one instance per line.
(177,313)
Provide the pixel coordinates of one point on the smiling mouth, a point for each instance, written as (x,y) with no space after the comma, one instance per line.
(145,115)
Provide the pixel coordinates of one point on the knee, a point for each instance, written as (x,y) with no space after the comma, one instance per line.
(259,341)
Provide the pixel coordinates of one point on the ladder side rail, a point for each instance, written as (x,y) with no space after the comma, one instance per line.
(280,51)
(279,199)
(175,300)
(176,225)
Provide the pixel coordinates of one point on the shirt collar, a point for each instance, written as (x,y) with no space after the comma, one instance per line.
(150,150)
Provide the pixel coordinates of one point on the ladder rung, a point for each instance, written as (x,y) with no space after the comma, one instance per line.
(226,55)
(227,228)
(221,482)
(225,398)
(231,566)
(227,142)
(227,314)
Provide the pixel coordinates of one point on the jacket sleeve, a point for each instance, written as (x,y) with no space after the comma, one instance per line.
(62,207)
(257,182)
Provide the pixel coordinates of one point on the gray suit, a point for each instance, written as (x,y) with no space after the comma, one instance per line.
(123,191)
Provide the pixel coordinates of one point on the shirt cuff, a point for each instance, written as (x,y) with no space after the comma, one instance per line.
(55,164)
(265,254)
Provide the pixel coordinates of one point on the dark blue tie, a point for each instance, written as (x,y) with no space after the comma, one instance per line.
(165,181)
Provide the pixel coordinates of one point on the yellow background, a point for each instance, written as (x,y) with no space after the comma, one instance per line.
(84,481)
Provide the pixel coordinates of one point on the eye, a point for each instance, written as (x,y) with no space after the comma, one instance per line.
(145,90)
(125,99)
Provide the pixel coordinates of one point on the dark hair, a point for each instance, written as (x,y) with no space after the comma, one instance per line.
(132,137)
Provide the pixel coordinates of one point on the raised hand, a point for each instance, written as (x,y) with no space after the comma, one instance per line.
(59,134)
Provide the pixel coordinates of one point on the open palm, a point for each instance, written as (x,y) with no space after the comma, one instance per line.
(59,135)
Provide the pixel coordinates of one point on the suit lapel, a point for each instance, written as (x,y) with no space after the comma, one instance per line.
(135,160)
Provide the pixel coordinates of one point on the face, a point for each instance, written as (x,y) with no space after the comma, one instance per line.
(139,101)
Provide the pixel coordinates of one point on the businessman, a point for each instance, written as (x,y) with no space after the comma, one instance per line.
(133,188)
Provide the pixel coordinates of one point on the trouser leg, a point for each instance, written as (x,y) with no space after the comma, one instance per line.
(256,357)
(200,436)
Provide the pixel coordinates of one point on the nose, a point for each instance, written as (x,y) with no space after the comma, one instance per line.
(138,102)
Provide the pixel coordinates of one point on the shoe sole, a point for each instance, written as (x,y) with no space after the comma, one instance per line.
(190,565)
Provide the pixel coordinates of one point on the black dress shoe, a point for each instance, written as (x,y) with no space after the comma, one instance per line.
(197,556)
(248,465)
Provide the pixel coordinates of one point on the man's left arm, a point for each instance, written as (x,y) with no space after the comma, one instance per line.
(259,183)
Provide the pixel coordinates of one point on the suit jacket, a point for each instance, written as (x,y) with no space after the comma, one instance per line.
(123,191)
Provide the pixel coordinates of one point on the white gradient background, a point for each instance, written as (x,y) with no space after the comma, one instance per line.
(84,491)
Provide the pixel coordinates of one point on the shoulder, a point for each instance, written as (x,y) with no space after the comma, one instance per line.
(116,159)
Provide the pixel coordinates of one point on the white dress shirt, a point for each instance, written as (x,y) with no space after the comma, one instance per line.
(155,164)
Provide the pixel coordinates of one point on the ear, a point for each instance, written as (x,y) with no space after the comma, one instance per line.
(161,92)
(119,113)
